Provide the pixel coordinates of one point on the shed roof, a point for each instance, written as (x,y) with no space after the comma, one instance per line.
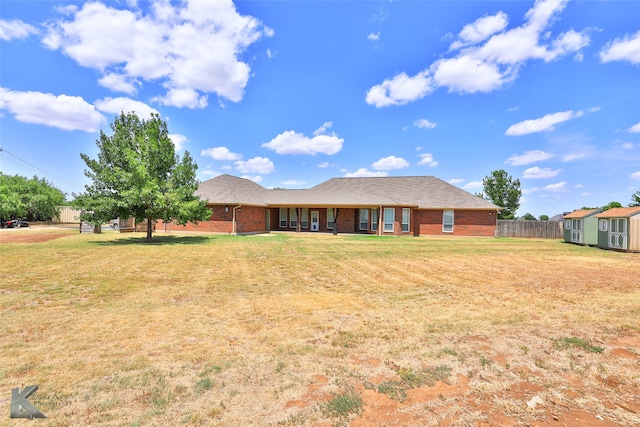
(581,213)
(619,212)
(425,192)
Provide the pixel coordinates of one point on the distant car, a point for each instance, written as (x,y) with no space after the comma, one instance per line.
(16,223)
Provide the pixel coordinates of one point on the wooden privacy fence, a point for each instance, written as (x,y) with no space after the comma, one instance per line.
(525,228)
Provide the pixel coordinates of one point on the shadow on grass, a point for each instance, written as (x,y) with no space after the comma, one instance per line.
(157,240)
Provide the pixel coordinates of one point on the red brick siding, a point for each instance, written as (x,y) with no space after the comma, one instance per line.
(465,223)
(249,219)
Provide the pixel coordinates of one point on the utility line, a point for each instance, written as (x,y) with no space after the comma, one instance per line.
(13,162)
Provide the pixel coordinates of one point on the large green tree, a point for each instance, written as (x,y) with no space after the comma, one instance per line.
(635,199)
(138,174)
(34,199)
(500,189)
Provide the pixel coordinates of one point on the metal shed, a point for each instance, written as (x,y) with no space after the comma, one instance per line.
(619,229)
(581,227)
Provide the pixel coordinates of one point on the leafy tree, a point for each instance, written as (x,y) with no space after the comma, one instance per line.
(137,174)
(544,218)
(34,199)
(503,191)
(528,217)
(611,205)
(635,199)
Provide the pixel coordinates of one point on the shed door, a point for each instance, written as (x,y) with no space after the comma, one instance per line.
(618,233)
(576,231)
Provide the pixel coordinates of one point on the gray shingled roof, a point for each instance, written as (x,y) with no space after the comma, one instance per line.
(426,192)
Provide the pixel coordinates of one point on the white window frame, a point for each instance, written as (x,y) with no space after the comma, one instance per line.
(283,217)
(567,224)
(447,226)
(330,219)
(389,219)
(304,218)
(293,218)
(374,219)
(603,224)
(364,219)
(406,218)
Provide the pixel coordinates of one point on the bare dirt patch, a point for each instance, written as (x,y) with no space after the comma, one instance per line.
(22,236)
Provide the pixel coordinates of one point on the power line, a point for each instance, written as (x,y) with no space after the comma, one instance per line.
(50,175)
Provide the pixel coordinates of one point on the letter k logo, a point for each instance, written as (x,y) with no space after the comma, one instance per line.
(20,407)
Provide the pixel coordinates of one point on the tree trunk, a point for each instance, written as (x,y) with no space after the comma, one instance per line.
(149,230)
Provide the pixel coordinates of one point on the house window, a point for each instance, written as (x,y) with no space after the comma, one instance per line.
(364,219)
(567,224)
(283,217)
(330,219)
(447,221)
(293,217)
(405,219)
(389,219)
(374,219)
(602,225)
(304,218)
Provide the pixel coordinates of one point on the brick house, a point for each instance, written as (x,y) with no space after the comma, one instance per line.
(412,205)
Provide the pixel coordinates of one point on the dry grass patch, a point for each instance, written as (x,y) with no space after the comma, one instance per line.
(217,330)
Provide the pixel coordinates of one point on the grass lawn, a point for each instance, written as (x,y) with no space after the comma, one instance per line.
(322,330)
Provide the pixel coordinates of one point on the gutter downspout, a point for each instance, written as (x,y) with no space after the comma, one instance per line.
(233,221)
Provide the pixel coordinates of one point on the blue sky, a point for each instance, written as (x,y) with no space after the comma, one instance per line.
(290,94)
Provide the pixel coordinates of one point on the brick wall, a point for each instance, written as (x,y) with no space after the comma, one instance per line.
(465,223)
(249,219)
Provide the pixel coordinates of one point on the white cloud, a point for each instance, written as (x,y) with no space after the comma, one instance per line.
(62,111)
(538,173)
(473,185)
(543,124)
(120,83)
(400,90)
(626,48)
(486,56)
(528,157)
(571,157)
(560,186)
(456,180)
(481,29)
(634,129)
(325,165)
(15,29)
(220,153)
(179,141)
(390,163)
(192,48)
(364,172)
(374,37)
(181,98)
(627,146)
(427,159)
(424,124)
(635,175)
(291,142)
(294,182)
(260,165)
(126,105)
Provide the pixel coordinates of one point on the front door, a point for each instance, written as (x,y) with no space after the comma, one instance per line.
(315,221)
